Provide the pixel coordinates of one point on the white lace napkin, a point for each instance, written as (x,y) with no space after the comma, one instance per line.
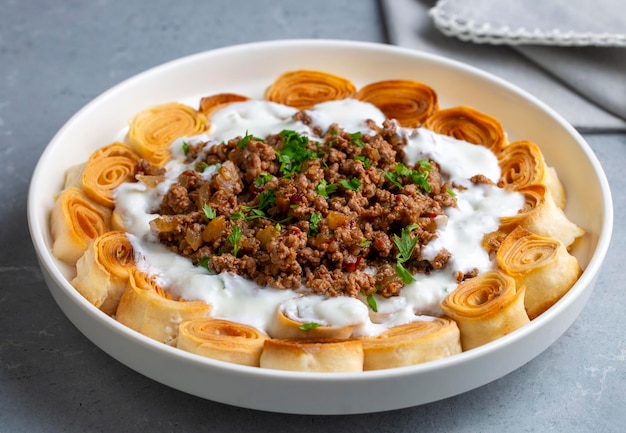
(569,53)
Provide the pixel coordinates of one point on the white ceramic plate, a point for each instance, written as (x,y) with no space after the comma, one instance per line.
(249,69)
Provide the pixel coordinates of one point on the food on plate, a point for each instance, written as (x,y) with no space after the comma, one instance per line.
(303,88)
(152,131)
(320,355)
(407,101)
(322,228)
(523,165)
(486,308)
(148,309)
(542,265)
(411,343)
(469,124)
(106,169)
(222,339)
(75,221)
(210,104)
(542,216)
(102,271)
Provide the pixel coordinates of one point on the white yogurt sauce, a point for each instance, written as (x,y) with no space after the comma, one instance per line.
(479,208)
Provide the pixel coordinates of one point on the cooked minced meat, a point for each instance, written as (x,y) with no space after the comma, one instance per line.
(328,216)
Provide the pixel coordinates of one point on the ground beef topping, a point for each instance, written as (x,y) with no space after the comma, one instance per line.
(339,215)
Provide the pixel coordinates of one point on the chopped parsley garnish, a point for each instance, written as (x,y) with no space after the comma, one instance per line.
(185,148)
(313,222)
(293,153)
(204,262)
(451,192)
(307,326)
(365,242)
(352,184)
(234,238)
(262,179)
(405,245)
(325,189)
(356,139)
(364,160)
(418,177)
(209,212)
(201,166)
(371,300)
(245,140)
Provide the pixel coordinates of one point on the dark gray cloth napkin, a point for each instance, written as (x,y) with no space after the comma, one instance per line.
(571,54)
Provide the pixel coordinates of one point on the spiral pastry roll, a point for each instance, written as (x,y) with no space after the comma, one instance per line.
(307,317)
(148,309)
(540,264)
(409,102)
(222,339)
(469,124)
(412,343)
(106,169)
(152,131)
(210,104)
(523,165)
(313,355)
(302,89)
(542,216)
(102,271)
(74,222)
(486,308)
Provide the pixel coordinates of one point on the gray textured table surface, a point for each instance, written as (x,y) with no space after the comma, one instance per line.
(57,56)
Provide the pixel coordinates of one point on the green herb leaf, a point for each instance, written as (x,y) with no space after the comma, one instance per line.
(234,238)
(356,139)
(313,222)
(185,148)
(293,153)
(364,160)
(307,326)
(209,212)
(201,166)
(371,301)
(262,179)
(404,275)
(237,215)
(365,242)
(352,184)
(245,140)
(204,262)
(451,192)
(325,189)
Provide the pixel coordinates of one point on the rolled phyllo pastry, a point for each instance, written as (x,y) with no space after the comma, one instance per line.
(210,104)
(469,124)
(222,339)
(486,308)
(542,265)
(106,169)
(411,343)
(313,355)
(74,222)
(542,216)
(302,89)
(152,131)
(308,317)
(148,309)
(523,165)
(409,102)
(102,271)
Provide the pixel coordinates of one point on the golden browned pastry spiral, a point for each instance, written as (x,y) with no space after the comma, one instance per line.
(148,309)
(542,265)
(409,102)
(152,131)
(486,308)
(469,124)
(411,343)
(222,339)
(102,271)
(313,355)
(210,104)
(75,221)
(106,169)
(523,165)
(302,89)
(542,216)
